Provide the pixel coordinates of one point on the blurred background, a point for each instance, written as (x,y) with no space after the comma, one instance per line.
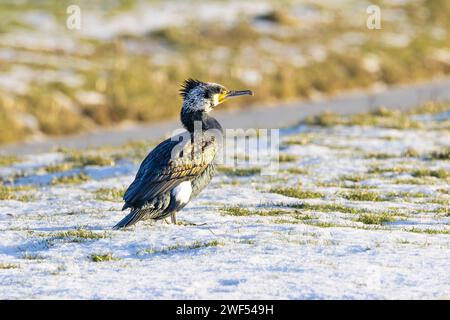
(126,62)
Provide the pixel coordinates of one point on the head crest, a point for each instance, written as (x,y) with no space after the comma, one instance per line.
(188,85)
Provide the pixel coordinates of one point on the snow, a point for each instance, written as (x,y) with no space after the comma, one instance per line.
(257,258)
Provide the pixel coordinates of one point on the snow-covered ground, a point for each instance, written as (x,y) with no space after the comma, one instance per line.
(233,241)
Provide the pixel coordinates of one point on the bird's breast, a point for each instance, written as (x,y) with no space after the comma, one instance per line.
(182,192)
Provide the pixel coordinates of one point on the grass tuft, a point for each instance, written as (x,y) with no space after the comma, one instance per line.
(83,160)
(380,155)
(431,107)
(15,193)
(8,160)
(375,218)
(382,117)
(79,235)
(428,231)
(443,154)
(296,171)
(362,195)
(323,224)
(439,173)
(297,193)
(102,257)
(301,139)
(183,247)
(239,211)
(328,207)
(353,177)
(411,153)
(109,194)
(59,167)
(287,158)
(72,179)
(398,169)
(239,172)
(416,181)
(8,266)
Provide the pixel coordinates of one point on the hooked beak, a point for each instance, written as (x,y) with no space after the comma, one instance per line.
(239,93)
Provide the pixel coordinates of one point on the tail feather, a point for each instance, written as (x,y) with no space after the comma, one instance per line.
(134,216)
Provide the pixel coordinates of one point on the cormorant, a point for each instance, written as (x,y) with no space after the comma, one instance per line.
(174,172)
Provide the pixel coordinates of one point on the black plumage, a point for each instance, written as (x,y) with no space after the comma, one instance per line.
(190,84)
(179,168)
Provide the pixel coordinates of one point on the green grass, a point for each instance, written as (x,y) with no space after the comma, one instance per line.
(83,160)
(357,186)
(406,195)
(295,214)
(241,157)
(411,153)
(296,171)
(443,201)
(79,235)
(439,173)
(247,241)
(16,193)
(376,169)
(323,224)
(328,207)
(302,139)
(353,177)
(287,158)
(239,172)
(325,119)
(182,247)
(375,218)
(297,193)
(10,129)
(297,218)
(443,154)
(8,266)
(428,231)
(135,150)
(59,167)
(362,195)
(431,107)
(329,184)
(109,194)
(72,179)
(303,217)
(284,221)
(239,211)
(8,160)
(417,181)
(380,155)
(445,210)
(102,257)
(382,117)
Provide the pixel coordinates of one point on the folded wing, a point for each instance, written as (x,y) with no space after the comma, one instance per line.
(166,166)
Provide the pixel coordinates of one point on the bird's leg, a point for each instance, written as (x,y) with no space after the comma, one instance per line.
(173,217)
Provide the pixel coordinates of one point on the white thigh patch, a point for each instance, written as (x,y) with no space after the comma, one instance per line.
(182,192)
